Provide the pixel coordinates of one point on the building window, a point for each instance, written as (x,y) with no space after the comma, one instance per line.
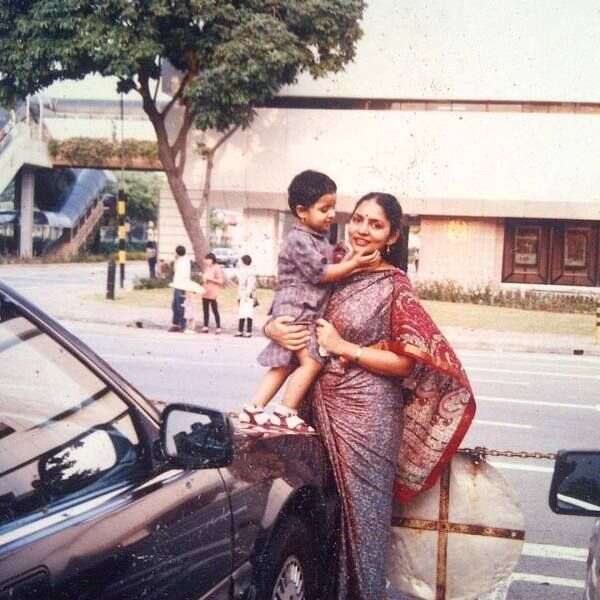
(551,252)
(576,247)
(527,246)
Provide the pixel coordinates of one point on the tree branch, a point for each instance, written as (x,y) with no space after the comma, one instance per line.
(155,95)
(149,105)
(177,94)
(186,123)
(223,139)
(182,160)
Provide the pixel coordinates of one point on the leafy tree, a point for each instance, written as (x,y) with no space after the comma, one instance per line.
(142,194)
(233,56)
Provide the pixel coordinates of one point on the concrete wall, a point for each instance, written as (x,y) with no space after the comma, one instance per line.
(468,251)
(445,163)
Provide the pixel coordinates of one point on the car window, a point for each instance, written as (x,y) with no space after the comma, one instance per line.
(64,433)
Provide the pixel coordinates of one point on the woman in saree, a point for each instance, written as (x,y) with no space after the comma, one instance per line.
(391,403)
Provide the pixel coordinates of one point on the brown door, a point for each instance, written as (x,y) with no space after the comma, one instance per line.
(574,248)
(526,249)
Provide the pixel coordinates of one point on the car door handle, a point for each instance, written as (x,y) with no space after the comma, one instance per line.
(29,587)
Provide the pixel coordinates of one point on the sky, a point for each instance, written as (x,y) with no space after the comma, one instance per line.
(515,50)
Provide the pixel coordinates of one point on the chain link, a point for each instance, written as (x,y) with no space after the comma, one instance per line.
(479,453)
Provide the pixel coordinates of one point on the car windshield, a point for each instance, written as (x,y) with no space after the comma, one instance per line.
(51,409)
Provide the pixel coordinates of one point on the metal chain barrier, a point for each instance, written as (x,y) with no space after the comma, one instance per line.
(479,454)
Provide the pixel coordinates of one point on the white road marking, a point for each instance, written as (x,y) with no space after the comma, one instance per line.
(140,359)
(594,407)
(500,464)
(558,552)
(537,357)
(547,580)
(537,373)
(501,424)
(501,381)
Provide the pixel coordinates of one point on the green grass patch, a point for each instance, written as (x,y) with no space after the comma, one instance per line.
(475,316)
(445,314)
(161,298)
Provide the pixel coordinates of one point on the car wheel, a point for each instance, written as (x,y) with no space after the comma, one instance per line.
(286,571)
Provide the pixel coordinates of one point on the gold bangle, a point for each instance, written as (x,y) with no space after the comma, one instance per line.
(358,354)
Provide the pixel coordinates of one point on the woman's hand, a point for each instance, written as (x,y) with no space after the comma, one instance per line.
(283,332)
(328,337)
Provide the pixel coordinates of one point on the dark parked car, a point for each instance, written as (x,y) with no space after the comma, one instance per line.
(104,497)
(575,490)
(225,257)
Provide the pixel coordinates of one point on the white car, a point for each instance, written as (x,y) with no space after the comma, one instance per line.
(225,257)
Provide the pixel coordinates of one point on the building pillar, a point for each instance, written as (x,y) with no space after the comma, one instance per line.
(26,191)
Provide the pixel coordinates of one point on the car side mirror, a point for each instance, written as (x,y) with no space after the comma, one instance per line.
(196,438)
(575,487)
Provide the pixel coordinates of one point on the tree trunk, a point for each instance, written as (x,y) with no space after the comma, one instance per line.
(189,215)
(174,171)
(168,157)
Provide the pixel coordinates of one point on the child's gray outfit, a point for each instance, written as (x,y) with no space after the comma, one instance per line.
(303,258)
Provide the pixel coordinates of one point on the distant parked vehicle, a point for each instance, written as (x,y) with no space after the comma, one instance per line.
(225,257)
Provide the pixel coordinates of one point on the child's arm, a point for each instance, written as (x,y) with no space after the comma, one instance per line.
(335,272)
(217,278)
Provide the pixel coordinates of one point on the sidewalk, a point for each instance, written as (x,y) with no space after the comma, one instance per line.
(74,292)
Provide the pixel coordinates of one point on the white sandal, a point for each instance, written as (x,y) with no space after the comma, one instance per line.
(254,415)
(287,418)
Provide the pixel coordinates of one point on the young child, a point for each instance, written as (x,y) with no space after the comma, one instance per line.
(304,269)
(246,296)
(190,312)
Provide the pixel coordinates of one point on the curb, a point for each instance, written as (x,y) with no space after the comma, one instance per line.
(459,340)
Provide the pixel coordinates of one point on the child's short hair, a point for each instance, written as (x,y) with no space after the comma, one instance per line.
(211,256)
(180,250)
(246,259)
(307,187)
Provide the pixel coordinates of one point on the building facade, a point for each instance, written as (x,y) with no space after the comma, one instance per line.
(483,120)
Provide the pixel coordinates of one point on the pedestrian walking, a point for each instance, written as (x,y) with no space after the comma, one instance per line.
(182,270)
(246,296)
(213,280)
(151,258)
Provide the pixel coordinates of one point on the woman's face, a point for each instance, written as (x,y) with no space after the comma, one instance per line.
(369,228)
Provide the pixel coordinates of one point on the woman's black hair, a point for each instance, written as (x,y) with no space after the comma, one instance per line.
(211,256)
(307,187)
(246,259)
(393,212)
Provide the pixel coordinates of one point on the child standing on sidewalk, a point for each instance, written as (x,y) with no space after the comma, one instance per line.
(246,296)
(190,310)
(304,270)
